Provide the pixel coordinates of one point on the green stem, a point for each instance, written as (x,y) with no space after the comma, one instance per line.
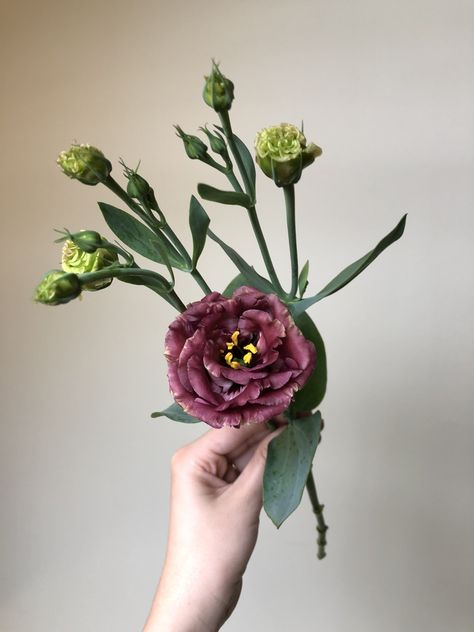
(115,187)
(156,227)
(318,512)
(200,281)
(289,192)
(174,239)
(257,229)
(227,127)
(157,282)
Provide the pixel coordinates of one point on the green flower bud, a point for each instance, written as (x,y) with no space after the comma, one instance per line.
(218,91)
(87,240)
(57,288)
(193,145)
(85,163)
(282,153)
(137,186)
(217,144)
(76,260)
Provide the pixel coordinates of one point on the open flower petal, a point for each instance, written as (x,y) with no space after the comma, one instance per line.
(238,360)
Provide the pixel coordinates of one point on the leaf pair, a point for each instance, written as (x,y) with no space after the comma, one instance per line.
(247,200)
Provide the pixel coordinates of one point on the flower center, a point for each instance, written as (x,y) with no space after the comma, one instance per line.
(236,355)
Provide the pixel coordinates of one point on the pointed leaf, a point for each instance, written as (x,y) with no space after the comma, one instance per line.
(312,394)
(176,413)
(140,238)
(160,285)
(252,278)
(248,162)
(236,282)
(303,279)
(198,222)
(353,270)
(223,197)
(288,464)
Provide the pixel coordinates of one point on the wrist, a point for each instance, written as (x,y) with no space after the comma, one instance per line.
(187,600)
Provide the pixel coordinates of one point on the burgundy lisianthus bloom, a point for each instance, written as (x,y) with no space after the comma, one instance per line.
(236,360)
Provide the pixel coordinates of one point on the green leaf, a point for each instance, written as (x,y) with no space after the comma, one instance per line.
(248,162)
(176,413)
(289,460)
(223,197)
(198,222)
(303,279)
(312,394)
(236,282)
(353,270)
(251,277)
(160,285)
(140,238)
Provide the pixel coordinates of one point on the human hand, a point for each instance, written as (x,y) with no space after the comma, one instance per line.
(216,498)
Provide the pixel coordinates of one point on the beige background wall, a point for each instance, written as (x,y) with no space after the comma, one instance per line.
(385,89)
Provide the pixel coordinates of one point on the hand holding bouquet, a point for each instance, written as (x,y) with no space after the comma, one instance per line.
(241,356)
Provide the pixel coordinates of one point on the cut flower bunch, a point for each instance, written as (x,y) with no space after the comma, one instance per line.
(249,353)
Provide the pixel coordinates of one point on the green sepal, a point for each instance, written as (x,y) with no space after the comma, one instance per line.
(140,238)
(312,393)
(223,197)
(198,222)
(176,413)
(303,279)
(251,276)
(353,270)
(289,459)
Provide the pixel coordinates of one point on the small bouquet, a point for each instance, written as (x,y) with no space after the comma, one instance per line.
(246,354)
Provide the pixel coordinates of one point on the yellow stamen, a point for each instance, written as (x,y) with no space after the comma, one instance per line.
(229,345)
(252,348)
(247,358)
(232,363)
(235,337)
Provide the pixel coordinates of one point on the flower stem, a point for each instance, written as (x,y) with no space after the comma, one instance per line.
(200,281)
(257,229)
(156,281)
(233,180)
(115,187)
(164,228)
(289,192)
(318,512)
(227,127)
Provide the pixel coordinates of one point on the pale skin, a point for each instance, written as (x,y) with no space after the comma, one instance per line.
(216,498)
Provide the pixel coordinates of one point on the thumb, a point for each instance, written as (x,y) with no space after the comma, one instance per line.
(250,480)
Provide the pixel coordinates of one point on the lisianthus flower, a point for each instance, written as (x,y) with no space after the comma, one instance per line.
(78,261)
(85,163)
(57,287)
(282,153)
(237,360)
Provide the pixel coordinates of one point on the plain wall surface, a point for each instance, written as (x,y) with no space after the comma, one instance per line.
(385,88)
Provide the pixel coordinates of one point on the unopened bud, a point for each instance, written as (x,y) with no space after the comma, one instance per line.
(218,91)
(87,240)
(85,163)
(193,145)
(57,288)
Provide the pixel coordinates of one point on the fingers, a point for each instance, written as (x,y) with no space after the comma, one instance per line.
(251,478)
(231,442)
